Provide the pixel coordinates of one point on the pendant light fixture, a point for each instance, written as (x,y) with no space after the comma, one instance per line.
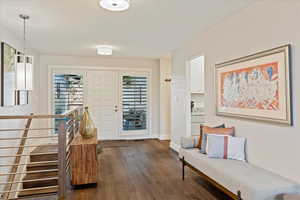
(24,64)
(115,5)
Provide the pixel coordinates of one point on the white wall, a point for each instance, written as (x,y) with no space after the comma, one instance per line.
(165,98)
(261,26)
(107,62)
(196,66)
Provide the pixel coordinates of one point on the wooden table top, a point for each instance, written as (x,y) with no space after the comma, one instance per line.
(79,140)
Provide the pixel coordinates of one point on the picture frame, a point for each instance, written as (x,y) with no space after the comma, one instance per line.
(8,94)
(256,87)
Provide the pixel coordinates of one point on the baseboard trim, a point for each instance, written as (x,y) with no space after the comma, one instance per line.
(174,146)
(128,138)
(164,137)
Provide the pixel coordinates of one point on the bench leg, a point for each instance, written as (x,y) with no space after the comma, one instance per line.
(183,165)
(239,195)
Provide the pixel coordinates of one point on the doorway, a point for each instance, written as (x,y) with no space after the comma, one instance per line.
(119,103)
(118,100)
(195,77)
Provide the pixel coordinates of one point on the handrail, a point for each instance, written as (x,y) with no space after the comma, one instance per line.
(67,113)
(25,146)
(23,129)
(20,138)
(31,117)
(43,116)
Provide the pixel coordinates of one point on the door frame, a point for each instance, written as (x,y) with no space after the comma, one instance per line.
(188,99)
(52,69)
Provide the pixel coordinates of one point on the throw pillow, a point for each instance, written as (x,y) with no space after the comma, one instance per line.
(226,147)
(189,142)
(217,131)
(201,133)
(236,148)
(215,147)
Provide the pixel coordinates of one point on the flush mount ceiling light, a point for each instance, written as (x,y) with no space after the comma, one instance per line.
(115,5)
(104,50)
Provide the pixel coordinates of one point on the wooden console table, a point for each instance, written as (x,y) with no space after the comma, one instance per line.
(83,158)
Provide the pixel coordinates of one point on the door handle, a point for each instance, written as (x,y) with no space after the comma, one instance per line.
(116,110)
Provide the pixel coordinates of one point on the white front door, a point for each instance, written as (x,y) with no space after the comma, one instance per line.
(118,103)
(102,101)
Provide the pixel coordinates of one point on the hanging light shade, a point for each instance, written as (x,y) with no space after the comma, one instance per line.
(24,65)
(24,72)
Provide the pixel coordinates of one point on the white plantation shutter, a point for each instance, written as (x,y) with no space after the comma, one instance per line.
(134,102)
(67,94)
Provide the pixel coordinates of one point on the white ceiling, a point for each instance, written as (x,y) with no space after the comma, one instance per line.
(150,28)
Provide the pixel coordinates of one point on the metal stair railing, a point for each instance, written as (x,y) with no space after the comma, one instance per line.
(16,157)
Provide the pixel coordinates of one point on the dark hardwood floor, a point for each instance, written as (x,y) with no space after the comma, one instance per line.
(144,170)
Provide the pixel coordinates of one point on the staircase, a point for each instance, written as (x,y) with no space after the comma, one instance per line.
(43,174)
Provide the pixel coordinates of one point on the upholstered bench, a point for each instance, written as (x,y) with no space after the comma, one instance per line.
(240,180)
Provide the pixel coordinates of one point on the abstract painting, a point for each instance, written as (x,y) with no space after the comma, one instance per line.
(7,75)
(256,86)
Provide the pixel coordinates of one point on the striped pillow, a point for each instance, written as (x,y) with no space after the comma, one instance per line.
(215,131)
(226,147)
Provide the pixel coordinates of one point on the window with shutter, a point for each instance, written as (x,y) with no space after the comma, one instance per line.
(134,102)
(68,93)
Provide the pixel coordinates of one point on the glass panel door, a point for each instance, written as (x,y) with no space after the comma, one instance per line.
(67,94)
(134,104)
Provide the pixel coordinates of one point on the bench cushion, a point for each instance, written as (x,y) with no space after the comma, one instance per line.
(254,183)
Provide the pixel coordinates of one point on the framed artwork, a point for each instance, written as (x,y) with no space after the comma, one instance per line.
(8,95)
(256,86)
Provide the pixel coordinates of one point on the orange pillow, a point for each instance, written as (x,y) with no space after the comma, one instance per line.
(217,131)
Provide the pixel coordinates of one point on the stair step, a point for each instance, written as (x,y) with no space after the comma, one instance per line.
(40,183)
(50,196)
(40,158)
(38,191)
(44,149)
(34,188)
(41,166)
